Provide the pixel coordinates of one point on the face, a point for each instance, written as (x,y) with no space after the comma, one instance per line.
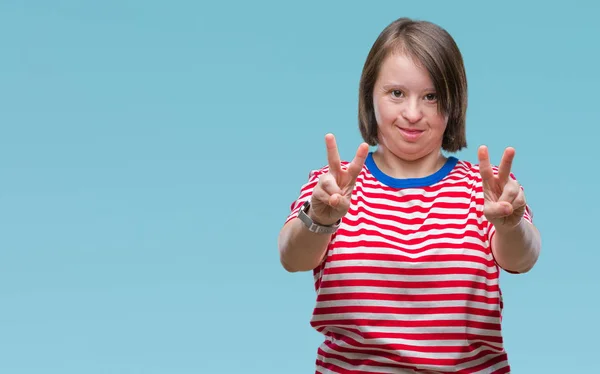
(405,103)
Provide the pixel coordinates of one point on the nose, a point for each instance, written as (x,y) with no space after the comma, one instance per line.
(412,111)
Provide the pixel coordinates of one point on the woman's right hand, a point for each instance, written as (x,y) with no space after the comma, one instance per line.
(330,198)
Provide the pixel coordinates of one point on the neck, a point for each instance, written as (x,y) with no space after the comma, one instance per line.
(399,168)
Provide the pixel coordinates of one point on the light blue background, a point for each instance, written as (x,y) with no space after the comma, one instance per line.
(149,152)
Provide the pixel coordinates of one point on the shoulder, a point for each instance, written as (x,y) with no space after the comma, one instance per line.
(470,170)
(315,173)
(465,170)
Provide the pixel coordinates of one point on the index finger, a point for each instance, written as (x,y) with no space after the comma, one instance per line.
(485,168)
(333,156)
(506,164)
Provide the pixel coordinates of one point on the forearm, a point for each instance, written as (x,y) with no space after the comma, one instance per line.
(517,249)
(300,249)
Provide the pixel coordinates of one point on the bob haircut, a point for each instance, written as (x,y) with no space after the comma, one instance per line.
(433,48)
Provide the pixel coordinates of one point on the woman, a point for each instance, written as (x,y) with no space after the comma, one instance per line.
(406,244)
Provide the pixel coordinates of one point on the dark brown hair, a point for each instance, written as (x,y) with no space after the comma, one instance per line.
(432,47)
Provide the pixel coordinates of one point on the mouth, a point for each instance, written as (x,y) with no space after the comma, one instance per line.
(410,134)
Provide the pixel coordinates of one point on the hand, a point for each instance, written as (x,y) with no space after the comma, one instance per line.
(504,200)
(330,199)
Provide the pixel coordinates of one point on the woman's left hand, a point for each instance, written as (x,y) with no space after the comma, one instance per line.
(504,199)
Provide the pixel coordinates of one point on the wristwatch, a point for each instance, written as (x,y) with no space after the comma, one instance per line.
(315,227)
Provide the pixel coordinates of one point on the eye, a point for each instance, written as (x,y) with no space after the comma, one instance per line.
(431,97)
(397,93)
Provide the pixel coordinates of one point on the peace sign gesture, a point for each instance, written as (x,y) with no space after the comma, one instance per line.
(330,198)
(504,200)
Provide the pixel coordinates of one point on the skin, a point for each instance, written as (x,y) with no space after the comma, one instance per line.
(411,130)
(302,250)
(404,98)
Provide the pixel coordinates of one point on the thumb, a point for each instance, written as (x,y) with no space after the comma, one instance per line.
(339,203)
(335,200)
(498,210)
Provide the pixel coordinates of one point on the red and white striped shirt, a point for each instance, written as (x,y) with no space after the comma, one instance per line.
(409,283)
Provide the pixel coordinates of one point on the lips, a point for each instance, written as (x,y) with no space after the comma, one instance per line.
(410,134)
(411,131)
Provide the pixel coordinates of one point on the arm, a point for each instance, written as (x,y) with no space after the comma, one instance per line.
(515,241)
(517,249)
(300,249)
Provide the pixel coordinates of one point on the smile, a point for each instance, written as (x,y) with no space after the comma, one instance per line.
(410,134)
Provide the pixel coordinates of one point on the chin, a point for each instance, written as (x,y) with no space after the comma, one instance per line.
(407,150)
(409,156)
(412,151)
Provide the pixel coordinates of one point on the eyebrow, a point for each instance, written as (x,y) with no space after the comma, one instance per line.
(390,86)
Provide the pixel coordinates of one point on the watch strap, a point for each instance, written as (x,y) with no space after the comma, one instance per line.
(315,227)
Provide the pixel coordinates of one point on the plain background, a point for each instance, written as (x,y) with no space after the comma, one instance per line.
(149,153)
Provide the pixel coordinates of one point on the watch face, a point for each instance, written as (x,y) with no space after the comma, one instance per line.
(303,210)
(305,206)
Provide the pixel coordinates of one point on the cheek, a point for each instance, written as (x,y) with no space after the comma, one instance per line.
(437,121)
(385,112)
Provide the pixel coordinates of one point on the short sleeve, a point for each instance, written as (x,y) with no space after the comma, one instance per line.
(305,192)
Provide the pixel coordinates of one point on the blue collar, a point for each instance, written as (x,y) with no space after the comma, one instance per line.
(410,182)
